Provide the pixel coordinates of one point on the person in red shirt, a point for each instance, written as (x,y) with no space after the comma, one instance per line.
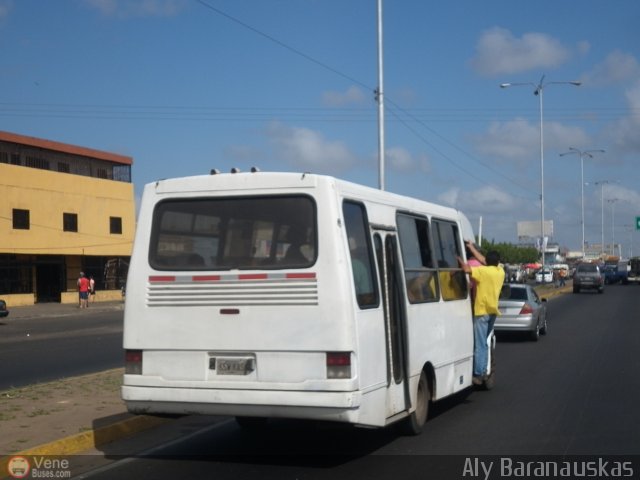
(83,289)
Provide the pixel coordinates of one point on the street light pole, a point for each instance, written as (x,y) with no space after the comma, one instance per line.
(380,98)
(538,91)
(629,228)
(612,201)
(582,153)
(602,183)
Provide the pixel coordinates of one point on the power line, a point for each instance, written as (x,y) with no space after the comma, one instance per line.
(327,67)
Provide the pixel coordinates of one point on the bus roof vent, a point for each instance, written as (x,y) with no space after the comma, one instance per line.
(214,171)
(235,170)
(254,169)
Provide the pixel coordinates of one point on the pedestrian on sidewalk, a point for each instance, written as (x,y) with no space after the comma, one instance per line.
(563,275)
(83,290)
(92,289)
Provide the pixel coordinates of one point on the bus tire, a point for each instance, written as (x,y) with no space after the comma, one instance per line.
(414,423)
(251,423)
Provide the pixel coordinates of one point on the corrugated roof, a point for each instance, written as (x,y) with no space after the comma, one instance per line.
(65,148)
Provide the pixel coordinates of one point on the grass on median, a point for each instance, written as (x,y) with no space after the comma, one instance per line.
(48,398)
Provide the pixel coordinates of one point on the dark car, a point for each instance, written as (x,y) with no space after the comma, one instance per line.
(610,273)
(3,309)
(521,310)
(588,276)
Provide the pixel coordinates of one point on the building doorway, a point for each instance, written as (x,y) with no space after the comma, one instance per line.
(49,281)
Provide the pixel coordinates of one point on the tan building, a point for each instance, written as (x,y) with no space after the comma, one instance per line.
(63,209)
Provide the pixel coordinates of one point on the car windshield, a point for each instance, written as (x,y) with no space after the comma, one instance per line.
(518,294)
(588,268)
(513,293)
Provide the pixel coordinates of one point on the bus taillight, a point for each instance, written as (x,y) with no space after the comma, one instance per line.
(338,365)
(133,362)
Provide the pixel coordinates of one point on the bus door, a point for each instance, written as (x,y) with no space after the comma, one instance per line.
(395,316)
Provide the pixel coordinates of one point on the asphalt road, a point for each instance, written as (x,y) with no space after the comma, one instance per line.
(44,348)
(574,392)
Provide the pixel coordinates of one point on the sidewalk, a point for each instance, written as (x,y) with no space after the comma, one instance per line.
(54,309)
(70,415)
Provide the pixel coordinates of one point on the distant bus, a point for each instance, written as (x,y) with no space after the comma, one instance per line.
(293,295)
(633,272)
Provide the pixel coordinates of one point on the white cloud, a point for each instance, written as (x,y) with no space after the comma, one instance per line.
(623,134)
(617,67)
(401,160)
(352,96)
(623,195)
(241,153)
(138,8)
(518,141)
(485,199)
(450,197)
(514,140)
(5,8)
(498,51)
(308,150)
(583,47)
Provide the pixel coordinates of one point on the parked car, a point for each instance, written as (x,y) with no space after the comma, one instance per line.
(3,308)
(544,276)
(589,276)
(522,310)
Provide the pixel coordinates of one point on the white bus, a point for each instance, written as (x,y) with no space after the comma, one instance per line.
(262,295)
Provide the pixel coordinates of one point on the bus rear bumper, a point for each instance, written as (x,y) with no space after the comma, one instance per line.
(330,406)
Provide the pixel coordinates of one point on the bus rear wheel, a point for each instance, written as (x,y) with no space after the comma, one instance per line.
(414,424)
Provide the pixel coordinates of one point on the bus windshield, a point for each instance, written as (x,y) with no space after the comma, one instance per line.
(222,233)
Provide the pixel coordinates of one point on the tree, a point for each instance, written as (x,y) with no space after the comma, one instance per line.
(512,254)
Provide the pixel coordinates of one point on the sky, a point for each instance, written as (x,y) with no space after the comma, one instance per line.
(184,86)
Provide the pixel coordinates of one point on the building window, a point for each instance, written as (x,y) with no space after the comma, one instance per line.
(15,159)
(102,173)
(122,173)
(20,219)
(35,162)
(70,222)
(115,225)
(63,167)
(4,157)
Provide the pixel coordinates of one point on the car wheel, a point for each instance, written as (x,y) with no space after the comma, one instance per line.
(534,335)
(601,290)
(414,424)
(543,329)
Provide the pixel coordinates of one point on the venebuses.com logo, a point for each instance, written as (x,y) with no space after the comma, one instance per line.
(38,467)
(18,467)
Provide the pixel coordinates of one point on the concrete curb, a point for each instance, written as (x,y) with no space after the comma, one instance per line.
(79,442)
(555,292)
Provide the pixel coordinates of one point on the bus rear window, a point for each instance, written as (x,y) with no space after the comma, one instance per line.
(262,232)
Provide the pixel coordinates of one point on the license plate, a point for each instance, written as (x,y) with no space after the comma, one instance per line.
(234,365)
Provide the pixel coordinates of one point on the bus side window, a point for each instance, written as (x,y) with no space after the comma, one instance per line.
(357,230)
(447,245)
(417,257)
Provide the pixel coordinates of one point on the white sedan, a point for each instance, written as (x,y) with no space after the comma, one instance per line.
(544,276)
